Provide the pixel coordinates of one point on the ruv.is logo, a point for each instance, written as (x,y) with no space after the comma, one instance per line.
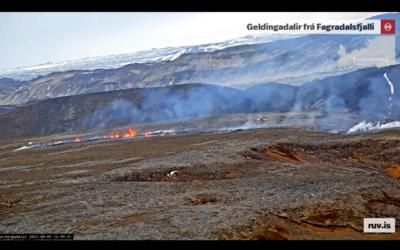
(379,225)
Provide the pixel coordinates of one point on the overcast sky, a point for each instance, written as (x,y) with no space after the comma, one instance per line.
(35,38)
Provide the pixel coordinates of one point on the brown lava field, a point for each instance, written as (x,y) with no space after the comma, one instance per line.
(261,184)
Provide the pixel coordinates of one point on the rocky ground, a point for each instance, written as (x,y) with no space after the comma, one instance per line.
(261,184)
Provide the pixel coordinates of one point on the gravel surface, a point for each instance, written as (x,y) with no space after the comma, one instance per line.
(267,183)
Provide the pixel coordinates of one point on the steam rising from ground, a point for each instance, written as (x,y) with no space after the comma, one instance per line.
(251,124)
(332,104)
(390,83)
(364,126)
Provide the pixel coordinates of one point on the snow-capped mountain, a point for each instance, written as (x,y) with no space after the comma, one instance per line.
(335,103)
(282,59)
(116,61)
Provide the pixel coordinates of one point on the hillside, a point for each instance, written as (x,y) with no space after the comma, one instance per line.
(365,92)
(154,55)
(292,61)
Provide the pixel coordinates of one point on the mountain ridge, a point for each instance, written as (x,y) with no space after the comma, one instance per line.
(293,61)
(364,92)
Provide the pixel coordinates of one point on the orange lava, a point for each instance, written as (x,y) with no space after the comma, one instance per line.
(132,132)
(394,171)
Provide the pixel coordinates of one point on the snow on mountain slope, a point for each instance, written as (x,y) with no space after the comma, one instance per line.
(117,61)
(283,59)
(290,61)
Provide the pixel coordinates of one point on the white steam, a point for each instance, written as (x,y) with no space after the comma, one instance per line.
(364,126)
(390,83)
(390,98)
(161,131)
(251,124)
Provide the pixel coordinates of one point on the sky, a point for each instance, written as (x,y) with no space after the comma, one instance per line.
(35,38)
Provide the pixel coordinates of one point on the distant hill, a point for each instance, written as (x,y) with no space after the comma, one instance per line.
(291,60)
(365,92)
(8,86)
(6,108)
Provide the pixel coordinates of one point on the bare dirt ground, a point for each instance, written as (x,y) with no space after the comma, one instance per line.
(262,184)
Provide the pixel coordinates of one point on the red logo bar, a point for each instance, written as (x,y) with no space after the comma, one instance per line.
(388,27)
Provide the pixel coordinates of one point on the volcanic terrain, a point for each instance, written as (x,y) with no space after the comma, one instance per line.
(267,141)
(364,92)
(282,183)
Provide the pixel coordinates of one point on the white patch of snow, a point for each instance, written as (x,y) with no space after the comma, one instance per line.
(156,58)
(390,83)
(123,64)
(178,54)
(212,47)
(145,56)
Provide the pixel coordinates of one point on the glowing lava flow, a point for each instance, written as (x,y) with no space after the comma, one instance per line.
(127,134)
(132,132)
